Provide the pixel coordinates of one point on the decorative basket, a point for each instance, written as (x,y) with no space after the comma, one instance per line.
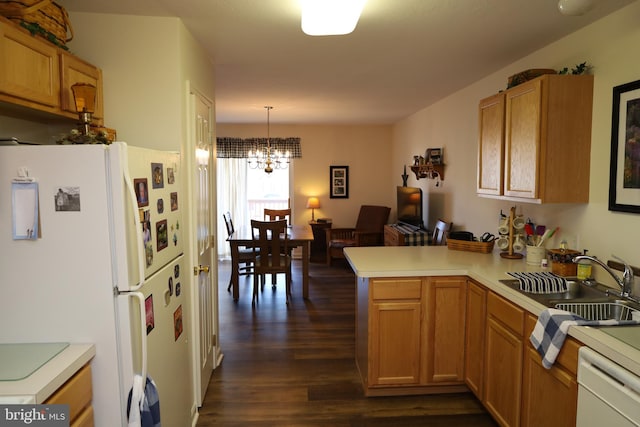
(42,17)
(470,246)
(562,262)
(527,75)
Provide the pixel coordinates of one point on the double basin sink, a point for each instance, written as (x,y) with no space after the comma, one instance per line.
(587,299)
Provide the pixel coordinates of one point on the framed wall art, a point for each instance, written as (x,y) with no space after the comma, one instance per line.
(624,178)
(339,182)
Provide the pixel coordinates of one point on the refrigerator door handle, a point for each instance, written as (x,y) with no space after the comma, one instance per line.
(139,297)
(139,239)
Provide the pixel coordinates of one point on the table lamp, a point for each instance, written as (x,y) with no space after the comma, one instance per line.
(313,203)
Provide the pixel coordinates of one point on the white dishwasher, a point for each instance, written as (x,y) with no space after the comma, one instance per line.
(608,394)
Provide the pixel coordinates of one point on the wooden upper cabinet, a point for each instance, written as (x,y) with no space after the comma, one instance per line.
(546,141)
(29,70)
(491,145)
(522,140)
(38,75)
(75,70)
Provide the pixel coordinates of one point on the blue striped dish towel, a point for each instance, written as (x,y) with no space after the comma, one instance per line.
(551,329)
(143,405)
(542,282)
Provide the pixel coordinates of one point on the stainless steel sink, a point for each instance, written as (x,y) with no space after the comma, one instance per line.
(576,289)
(601,310)
(587,299)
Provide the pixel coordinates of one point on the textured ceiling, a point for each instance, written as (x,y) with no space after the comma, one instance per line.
(403,56)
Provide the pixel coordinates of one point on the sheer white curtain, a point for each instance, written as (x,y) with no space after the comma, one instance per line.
(232,191)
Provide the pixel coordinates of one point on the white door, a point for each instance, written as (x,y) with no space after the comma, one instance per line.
(205,293)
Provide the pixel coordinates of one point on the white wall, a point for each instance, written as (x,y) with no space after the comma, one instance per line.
(610,46)
(140,62)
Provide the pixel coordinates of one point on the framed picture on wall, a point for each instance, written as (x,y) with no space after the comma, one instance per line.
(339,182)
(624,174)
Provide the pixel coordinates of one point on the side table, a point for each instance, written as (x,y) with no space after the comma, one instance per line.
(319,243)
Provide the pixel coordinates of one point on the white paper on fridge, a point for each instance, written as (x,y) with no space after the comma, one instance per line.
(24,197)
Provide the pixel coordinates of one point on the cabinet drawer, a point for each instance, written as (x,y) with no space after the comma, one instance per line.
(508,313)
(85,419)
(396,289)
(76,393)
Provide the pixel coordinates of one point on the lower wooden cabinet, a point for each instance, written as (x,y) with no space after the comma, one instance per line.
(418,335)
(475,325)
(410,334)
(76,393)
(445,324)
(395,332)
(549,396)
(503,360)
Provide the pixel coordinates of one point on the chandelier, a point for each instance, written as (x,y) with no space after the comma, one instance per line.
(269,160)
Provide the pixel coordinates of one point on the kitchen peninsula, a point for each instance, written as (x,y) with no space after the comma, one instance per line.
(433,320)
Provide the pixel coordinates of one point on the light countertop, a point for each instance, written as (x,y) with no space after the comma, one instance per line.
(47,379)
(487,269)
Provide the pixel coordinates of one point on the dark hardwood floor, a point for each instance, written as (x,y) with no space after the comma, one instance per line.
(295,366)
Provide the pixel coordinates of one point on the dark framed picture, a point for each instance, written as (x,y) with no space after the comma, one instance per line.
(162,235)
(624,178)
(434,155)
(174,201)
(157,175)
(142,191)
(339,182)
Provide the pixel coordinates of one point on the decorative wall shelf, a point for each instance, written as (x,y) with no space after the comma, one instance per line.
(428,171)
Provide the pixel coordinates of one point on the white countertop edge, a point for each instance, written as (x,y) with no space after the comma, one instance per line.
(53,374)
(607,345)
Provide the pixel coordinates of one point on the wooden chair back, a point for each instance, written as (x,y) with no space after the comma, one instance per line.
(277,214)
(270,241)
(440,231)
(228,223)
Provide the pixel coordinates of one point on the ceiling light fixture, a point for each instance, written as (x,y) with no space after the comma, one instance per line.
(268,160)
(330,17)
(575,7)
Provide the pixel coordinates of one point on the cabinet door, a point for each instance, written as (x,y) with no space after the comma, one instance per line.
(395,331)
(446,299)
(503,373)
(395,343)
(74,70)
(474,338)
(549,396)
(29,69)
(522,140)
(491,145)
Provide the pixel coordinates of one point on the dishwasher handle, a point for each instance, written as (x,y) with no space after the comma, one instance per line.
(592,364)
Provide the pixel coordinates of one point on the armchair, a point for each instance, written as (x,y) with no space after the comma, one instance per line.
(369,231)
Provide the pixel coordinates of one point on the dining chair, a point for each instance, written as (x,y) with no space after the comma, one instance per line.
(245,254)
(270,243)
(440,232)
(277,214)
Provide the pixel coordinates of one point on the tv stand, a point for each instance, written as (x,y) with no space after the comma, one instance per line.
(395,236)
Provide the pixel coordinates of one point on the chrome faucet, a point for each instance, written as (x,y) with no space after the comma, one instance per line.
(625,283)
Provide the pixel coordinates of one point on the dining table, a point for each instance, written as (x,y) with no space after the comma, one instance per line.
(297,236)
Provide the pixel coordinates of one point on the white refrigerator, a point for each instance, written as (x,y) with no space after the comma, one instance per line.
(92,252)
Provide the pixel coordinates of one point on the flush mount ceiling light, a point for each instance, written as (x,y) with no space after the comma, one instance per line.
(575,7)
(330,17)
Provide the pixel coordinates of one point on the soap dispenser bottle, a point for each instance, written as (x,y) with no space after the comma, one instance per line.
(584,268)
